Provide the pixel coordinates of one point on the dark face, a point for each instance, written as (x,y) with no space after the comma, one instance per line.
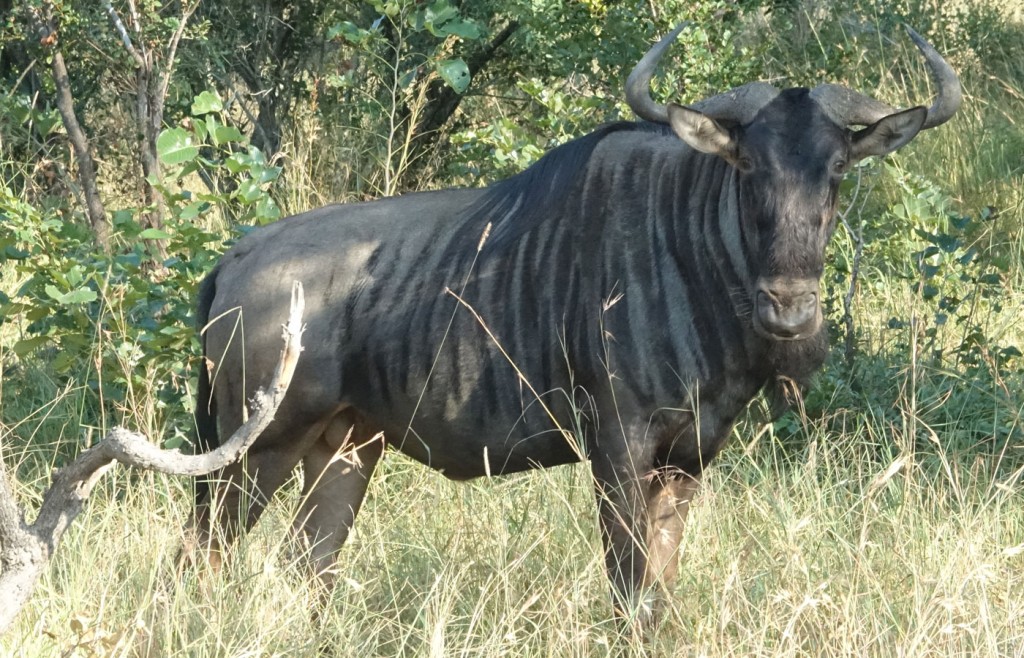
(791,158)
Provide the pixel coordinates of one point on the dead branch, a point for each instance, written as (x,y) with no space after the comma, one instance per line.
(26,549)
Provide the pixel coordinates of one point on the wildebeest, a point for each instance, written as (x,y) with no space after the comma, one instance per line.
(622,300)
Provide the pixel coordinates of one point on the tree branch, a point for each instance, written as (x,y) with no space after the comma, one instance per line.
(165,77)
(122,31)
(137,26)
(151,84)
(443,101)
(25,550)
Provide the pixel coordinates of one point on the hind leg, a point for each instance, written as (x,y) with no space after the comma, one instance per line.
(337,470)
(234,498)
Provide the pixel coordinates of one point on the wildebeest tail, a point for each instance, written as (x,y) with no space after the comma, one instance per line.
(205,414)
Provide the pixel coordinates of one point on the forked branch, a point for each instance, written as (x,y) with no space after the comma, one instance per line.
(26,549)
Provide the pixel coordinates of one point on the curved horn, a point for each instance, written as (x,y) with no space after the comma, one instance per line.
(949,96)
(638,84)
(850,108)
(739,104)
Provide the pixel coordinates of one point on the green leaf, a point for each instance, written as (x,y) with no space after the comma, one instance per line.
(266,210)
(154,234)
(52,291)
(123,219)
(206,102)
(249,190)
(174,442)
(924,234)
(193,210)
(959,222)
(968,257)
(175,146)
(9,309)
(408,78)
(948,243)
(228,134)
(263,174)
(47,122)
(990,279)
(463,30)
(200,129)
(34,314)
(13,253)
(23,347)
(236,164)
(349,32)
(455,73)
(439,13)
(81,295)
(65,359)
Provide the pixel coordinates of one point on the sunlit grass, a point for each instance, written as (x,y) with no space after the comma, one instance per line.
(847,546)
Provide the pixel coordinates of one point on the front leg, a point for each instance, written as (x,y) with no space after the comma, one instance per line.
(642,522)
(646,474)
(622,501)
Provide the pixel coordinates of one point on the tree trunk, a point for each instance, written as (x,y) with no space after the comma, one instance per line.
(83,156)
(148,117)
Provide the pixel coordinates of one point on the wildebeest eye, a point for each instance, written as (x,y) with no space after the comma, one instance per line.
(839,167)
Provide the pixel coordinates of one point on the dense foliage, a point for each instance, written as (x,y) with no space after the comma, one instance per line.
(354,100)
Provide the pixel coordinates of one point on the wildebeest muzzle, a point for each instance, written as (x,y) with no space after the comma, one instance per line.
(787,309)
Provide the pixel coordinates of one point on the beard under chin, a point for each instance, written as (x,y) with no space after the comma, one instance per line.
(791,365)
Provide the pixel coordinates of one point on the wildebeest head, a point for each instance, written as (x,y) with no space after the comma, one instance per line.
(791,148)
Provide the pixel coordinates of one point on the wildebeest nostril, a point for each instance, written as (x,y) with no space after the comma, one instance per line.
(787,315)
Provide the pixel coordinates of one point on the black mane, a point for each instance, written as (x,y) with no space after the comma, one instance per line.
(517,204)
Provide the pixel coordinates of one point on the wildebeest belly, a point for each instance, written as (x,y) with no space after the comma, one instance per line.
(458,405)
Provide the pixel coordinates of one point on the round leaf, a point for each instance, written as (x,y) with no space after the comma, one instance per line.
(223,134)
(455,73)
(175,146)
(462,29)
(206,103)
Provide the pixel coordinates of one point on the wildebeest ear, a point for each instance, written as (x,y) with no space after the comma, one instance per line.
(888,133)
(701,131)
